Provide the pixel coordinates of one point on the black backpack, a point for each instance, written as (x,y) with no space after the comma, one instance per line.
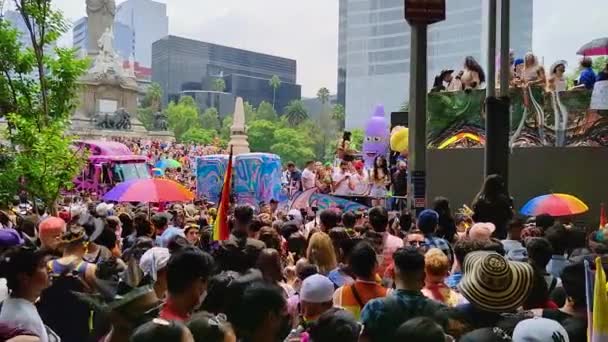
(62,311)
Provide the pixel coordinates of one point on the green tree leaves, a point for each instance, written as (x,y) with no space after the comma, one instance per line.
(183,116)
(265,112)
(37,98)
(210,119)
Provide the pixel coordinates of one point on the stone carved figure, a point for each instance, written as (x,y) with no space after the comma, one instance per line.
(160,121)
(107,65)
(100,18)
(119,120)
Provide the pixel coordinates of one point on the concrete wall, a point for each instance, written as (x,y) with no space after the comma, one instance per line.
(581,171)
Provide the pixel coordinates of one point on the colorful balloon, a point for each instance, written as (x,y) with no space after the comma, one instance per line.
(400,139)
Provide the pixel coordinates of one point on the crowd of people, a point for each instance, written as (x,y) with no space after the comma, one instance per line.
(523,72)
(350,179)
(118,272)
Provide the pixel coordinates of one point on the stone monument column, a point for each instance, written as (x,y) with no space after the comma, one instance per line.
(238,131)
(100,18)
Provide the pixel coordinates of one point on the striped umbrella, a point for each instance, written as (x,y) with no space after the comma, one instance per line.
(596,47)
(154,190)
(555,205)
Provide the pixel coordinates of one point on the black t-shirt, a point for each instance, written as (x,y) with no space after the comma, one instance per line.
(400,183)
(576,327)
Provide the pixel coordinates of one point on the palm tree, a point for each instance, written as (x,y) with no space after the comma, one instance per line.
(323,95)
(338,114)
(155,94)
(274,83)
(296,112)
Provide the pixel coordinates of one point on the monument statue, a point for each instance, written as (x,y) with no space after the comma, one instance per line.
(107,65)
(100,18)
(238,131)
(119,120)
(160,121)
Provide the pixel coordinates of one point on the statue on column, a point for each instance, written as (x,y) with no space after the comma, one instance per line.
(100,18)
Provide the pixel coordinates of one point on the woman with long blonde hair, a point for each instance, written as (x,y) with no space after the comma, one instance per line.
(321,252)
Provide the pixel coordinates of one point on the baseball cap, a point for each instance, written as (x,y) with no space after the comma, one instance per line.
(539,330)
(428,218)
(317,289)
(103,209)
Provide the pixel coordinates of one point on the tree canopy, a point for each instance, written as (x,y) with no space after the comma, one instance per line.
(37,98)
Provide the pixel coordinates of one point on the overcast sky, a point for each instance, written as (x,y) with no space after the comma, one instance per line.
(308,30)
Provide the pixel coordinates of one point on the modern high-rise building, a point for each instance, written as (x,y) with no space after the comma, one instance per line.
(181,65)
(123,38)
(149,22)
(374,49)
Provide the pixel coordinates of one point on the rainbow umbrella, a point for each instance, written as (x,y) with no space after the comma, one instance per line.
(555,205)
(158,172)
(154,190)
(168,164)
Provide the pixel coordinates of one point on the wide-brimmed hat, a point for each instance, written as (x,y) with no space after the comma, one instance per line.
(493,283)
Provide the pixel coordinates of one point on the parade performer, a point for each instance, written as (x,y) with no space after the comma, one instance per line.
(376,137)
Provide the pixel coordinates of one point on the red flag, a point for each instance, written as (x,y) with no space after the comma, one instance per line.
(220,226)
(603,218)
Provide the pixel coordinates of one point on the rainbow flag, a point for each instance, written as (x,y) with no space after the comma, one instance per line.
(597,302)
(221,231)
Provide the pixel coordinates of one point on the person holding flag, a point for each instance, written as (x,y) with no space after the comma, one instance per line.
(238,250)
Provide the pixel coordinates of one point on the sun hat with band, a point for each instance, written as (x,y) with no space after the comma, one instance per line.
(493,283)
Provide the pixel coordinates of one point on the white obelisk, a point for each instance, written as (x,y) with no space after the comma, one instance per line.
(238,131)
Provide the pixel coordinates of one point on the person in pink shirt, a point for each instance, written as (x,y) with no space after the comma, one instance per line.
(378,219)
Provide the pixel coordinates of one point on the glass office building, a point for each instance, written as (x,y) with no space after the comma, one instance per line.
(180,64)
(374,49)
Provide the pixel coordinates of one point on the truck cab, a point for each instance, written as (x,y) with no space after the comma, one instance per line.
(108,164)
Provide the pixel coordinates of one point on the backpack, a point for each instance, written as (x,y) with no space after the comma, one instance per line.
(62,311)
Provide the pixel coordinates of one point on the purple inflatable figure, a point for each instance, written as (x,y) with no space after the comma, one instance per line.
(376,137)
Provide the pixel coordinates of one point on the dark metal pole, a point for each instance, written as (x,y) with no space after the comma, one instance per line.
(505,29)
(417,118)
(491,53)
(497,109)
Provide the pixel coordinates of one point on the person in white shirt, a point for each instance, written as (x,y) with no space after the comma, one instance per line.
(309,178)
(343,180)
(26,274)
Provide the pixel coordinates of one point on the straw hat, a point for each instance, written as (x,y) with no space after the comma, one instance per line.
(493,283)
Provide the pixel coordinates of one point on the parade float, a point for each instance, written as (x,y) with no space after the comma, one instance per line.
(108,164)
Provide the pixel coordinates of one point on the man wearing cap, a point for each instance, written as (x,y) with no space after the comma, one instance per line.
(427,223)
(316,297)
(382,316)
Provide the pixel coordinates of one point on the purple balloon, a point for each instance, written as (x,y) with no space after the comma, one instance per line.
(376,137)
